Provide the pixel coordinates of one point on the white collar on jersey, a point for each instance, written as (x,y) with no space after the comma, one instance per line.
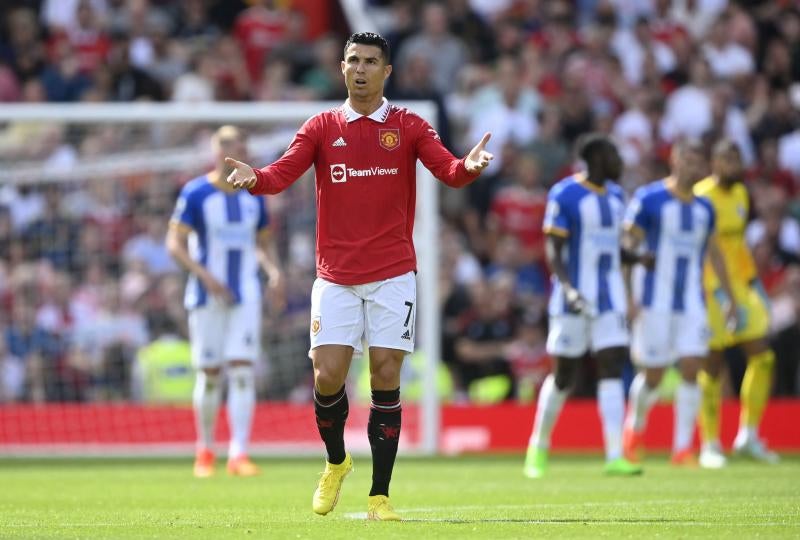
(379,115)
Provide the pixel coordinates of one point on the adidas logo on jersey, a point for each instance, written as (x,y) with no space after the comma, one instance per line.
(406,335)
(339,142)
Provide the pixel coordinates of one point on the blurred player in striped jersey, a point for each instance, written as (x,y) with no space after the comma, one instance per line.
(221,237)
(583,224)
(731,203)
(667,308)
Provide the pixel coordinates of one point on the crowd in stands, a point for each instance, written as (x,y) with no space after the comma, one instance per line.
(86,284)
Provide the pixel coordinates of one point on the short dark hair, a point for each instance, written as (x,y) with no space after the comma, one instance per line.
(690,144)
(370,38)
(592,145)
(723,146)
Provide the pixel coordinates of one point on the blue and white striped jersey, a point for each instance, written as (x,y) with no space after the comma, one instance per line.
(590,219)
(223,239)
(676,229)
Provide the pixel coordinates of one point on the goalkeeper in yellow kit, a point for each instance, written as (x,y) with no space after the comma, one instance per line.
(732,205)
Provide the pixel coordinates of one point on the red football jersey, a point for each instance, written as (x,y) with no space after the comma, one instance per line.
(366,187)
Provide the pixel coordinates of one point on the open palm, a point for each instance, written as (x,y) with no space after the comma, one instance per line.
(242,175)
(478,158)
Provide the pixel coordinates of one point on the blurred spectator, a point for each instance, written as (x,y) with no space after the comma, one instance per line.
(37,349)
(53,236)
(636,47)
(434,41)
(506,109)
(148,246)
(24,51)
(62,78)
(726,58)
(775,228)
(549,148)
(785,328)
(326,76)
(530,363)
(768,172)
(259,29)
(65,15)
(129,83)
(518,210)
(105,345)
(416,83)
(197,84)
(12,374)
(86,37)
(487,331)
(163,371)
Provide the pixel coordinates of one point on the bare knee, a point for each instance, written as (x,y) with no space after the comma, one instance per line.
(566,373)
(713,363)
(212,372)
(327,379)
(653,376)
(610,363)
(689,368)
(384,367)
(330,368)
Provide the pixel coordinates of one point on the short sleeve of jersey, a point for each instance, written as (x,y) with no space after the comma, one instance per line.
(557,219)
(263,214)
(187,209)
(636,213)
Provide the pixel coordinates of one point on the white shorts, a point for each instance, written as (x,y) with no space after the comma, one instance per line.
(659,339)
(382,312)
(571,336)
(220,333)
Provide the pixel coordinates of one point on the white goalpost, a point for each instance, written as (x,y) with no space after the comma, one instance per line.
(156,141)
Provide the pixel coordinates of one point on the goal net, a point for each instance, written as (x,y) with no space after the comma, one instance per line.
(94,355)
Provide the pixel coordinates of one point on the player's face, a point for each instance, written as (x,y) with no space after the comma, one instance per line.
(688,165)
(364,70)
(728,166)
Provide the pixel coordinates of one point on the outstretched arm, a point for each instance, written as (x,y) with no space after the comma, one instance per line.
(281,174)
(445,166)
(554,245)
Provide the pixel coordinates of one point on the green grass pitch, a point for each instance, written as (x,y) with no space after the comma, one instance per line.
(475,497)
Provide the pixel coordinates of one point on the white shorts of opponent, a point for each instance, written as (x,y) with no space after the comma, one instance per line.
(220,333)
(382,313)
(660,338)
(570,335)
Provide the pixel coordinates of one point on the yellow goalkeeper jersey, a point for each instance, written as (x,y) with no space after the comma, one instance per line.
(731,208)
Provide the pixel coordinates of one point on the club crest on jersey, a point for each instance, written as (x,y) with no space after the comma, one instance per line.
(338,173)
(389,138)
(315,325)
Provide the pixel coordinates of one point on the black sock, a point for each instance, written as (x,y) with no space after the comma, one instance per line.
(331,412)
(384,433)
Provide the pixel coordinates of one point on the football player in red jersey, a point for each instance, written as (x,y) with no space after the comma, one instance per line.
(364,154)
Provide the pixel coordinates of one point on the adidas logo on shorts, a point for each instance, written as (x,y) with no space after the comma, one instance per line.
(406,335)
(339,142)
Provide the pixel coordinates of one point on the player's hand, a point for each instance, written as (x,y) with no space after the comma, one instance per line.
(242,176)
(216,288)
(648,260)
(576,302)
(732,317)
(277,292)
(478,158)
